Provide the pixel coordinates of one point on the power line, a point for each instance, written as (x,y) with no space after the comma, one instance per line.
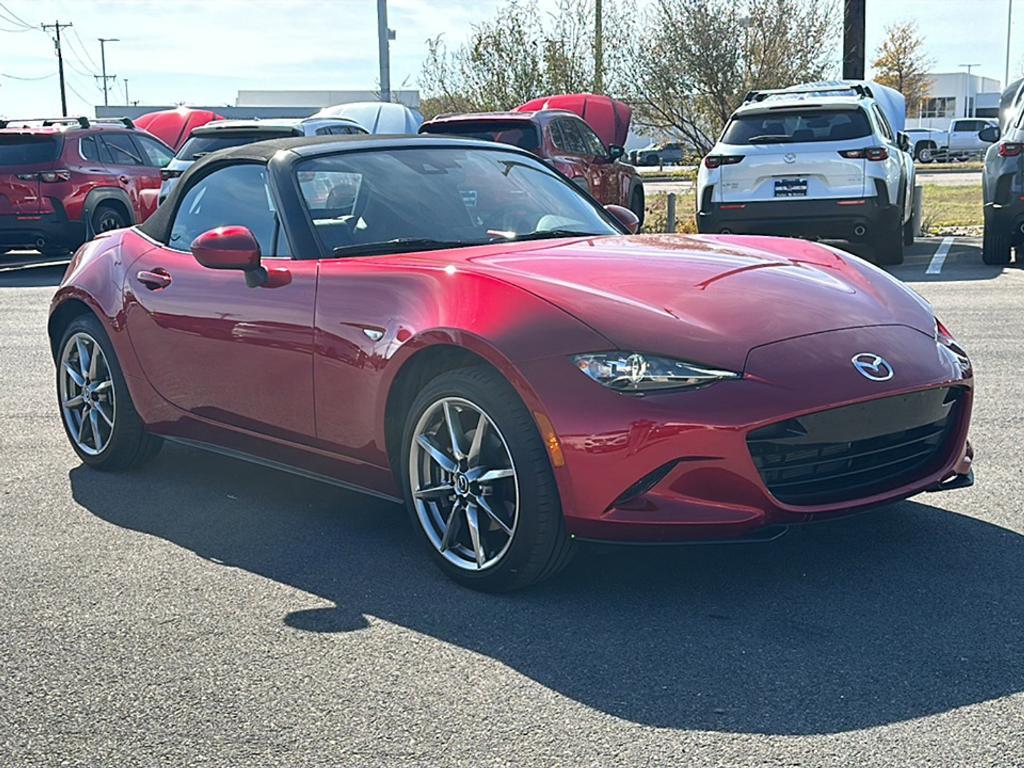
(15,18)
(15,31)
(17,77)
(82,47)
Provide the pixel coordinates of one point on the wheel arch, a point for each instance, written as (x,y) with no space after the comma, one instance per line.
(106,196)
(62,316)
(430,355)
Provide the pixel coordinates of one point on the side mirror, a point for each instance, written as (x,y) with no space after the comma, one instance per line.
(989,135)
(625,217)
(903,141)
(231,247)
(615,151)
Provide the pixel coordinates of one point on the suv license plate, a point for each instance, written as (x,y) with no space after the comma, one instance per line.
(791,187)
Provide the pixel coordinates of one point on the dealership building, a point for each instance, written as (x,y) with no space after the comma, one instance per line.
(956,94)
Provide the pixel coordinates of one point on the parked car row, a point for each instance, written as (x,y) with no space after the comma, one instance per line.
(961,141)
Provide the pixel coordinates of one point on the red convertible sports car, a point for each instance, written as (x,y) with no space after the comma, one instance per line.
(453,324)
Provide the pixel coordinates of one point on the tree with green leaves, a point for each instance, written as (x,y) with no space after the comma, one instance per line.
(901,63)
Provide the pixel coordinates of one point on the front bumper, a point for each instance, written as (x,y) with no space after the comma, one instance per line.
(839,219)
(677,467)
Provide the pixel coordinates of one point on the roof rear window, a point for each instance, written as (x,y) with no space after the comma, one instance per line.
(518,133)
(792,126)
(19,149)
(198,146)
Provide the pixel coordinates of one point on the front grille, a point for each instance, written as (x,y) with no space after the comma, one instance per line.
(856,451)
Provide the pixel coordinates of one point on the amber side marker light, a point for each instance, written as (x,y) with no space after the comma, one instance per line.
(547,434)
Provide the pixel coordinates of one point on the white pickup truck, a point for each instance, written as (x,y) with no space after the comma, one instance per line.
(959,142)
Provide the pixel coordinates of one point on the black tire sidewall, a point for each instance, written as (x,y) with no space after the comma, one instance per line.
(104,210)
(540,527)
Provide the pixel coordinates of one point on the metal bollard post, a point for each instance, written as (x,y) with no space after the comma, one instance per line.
(670,219)
(918,201)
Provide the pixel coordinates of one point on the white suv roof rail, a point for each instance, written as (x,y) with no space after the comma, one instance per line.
(855,89)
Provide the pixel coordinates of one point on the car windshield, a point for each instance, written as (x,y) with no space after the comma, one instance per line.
(198,146)
(418,198)
(518,133)
(19,149)
(781,127)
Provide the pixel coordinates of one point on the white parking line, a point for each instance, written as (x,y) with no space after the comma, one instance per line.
(935,267)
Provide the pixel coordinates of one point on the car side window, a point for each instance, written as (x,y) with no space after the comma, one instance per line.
(572,139)
(883,123)
(326,130)
(237,195)
(157,154)
(595,146)
(122,149)
(89,149)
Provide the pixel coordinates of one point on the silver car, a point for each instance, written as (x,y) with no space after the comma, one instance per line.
(221,134)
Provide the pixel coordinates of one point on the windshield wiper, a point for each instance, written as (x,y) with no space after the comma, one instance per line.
(543,234)
(399,245)
(770,139)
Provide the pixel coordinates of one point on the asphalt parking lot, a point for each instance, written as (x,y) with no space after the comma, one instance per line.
(203,611)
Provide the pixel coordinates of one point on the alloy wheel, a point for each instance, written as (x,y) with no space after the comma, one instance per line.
(464,484)
(87,394)
(108,221)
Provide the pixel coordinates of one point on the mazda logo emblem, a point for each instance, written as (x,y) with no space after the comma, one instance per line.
(872,366)
(789,157)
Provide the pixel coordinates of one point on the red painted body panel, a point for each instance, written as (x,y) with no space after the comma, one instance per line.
(611,182)
(173,126)
(291,375)
(609,118)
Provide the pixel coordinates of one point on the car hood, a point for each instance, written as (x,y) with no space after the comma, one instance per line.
(708,299)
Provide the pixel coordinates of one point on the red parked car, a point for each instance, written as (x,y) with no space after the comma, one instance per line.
(64,180)
(564,140)
(451,324)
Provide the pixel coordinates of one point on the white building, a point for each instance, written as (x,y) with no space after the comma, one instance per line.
(409,98)
(956,94)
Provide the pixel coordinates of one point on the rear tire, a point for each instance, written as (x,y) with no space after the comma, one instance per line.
(889,245)
(527,501)
(995,246)
(107,218)
(120,439)
(636,204)
(908,232)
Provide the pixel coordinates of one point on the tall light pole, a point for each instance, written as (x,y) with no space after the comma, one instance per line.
(126,102)
(1009,21)
(103,63)
(967,89)
(598,48)
(384,38)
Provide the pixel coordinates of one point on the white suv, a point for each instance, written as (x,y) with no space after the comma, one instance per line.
(818,161)
(221,134)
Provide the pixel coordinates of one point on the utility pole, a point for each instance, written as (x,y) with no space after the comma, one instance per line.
(853,39)
(57,27)
(126,102)
(384,38)
(1009,21)
(598,48)
(103,62)
(968,112)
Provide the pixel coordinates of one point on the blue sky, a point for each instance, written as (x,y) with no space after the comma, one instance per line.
(204,52)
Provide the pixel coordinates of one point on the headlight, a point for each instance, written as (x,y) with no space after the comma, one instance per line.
(634,372)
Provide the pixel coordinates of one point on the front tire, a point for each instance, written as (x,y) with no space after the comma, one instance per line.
(97,411)
(636,204)
(478,483)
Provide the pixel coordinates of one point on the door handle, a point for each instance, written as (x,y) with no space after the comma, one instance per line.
(155,279)
(123,179)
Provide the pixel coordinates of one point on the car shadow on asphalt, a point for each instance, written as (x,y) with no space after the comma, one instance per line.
(31,276)
(894,614)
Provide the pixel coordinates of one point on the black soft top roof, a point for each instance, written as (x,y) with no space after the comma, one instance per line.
(158,225)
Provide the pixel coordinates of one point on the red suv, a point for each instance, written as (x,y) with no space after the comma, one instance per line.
(561,138)
(63,180)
